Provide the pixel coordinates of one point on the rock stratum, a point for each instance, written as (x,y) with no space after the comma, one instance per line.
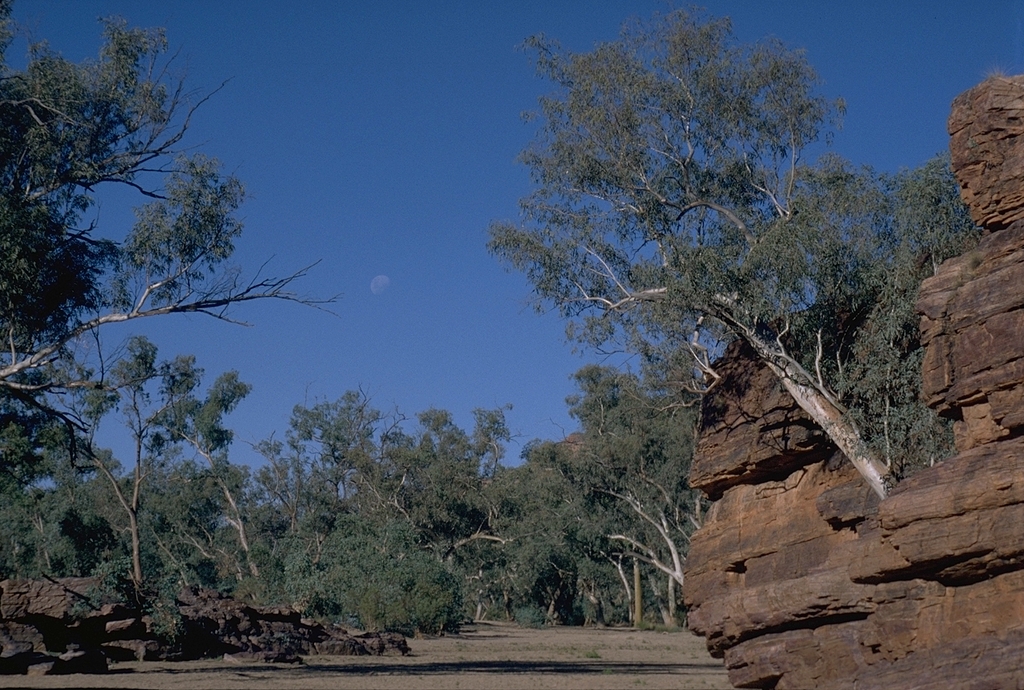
(800,576)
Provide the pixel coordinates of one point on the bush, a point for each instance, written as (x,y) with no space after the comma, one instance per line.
(415,595)
(529,616)
(377,576)
(115,582)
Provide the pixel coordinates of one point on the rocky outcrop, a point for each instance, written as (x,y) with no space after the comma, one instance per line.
(985,127)
(54,627)
(973,326)
(752,430)
(800,577)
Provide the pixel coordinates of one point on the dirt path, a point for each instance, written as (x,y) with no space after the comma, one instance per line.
(491,656)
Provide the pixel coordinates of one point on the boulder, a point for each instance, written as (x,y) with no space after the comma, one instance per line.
(346,646)
(264,656)
(985,128)
(19,663)
(79,661)
(20,637)
(134,650)
(384,643)
(214,625)
(51,598)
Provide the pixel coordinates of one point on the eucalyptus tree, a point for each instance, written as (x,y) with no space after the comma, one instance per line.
(673,210)
(631,459)
(67,131)
(533,572)
(309,479)
(144,391)
(198,423)
(490,434)
(879,376)
(190,530)
(434,479)
(373,517)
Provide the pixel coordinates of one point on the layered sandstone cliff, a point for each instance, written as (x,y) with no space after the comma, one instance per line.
(800,577)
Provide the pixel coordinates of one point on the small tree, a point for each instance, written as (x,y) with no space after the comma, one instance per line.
(534,572)
(433,479)
(673,211)
(136,379)
(311,478)
(199,423)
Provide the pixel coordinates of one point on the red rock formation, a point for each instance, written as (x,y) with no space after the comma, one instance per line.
(800,578)
(52,598)
(752,430)
(984,128)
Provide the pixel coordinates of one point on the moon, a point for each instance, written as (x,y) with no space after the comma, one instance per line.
(379,284)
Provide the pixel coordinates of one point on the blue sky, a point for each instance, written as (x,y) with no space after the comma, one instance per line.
(380,138)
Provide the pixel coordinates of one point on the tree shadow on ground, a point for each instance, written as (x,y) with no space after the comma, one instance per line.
(465,667)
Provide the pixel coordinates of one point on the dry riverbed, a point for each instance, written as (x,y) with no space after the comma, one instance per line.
(491,656)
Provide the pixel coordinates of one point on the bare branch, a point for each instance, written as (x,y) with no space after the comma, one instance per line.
(210,303)
(722,210)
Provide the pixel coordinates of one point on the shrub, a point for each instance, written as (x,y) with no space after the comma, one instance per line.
(378,576)
(529,616)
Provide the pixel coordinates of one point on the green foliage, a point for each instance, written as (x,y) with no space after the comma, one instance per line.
(666,162)
(579,511)
(631,460)
(177,509)
(311,476)
(375,575)
(529,616)
(435,482)
(184,519)
(66,131)
(184,236)
(489,436)
(89,538)
(116,585)
(867,321)
(424,530)
(167,623)
(161,606)
(554,557)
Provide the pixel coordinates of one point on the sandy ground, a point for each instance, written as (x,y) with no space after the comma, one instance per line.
(492,656)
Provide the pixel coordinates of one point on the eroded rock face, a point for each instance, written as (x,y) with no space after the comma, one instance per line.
(750,429)
(985,125)
(810,581)
(800,578)
(972,326)
(51,598)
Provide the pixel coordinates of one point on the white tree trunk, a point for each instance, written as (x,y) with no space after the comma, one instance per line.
(813,398)
(638,601)
(811,395)
(671,599)
(842,431)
